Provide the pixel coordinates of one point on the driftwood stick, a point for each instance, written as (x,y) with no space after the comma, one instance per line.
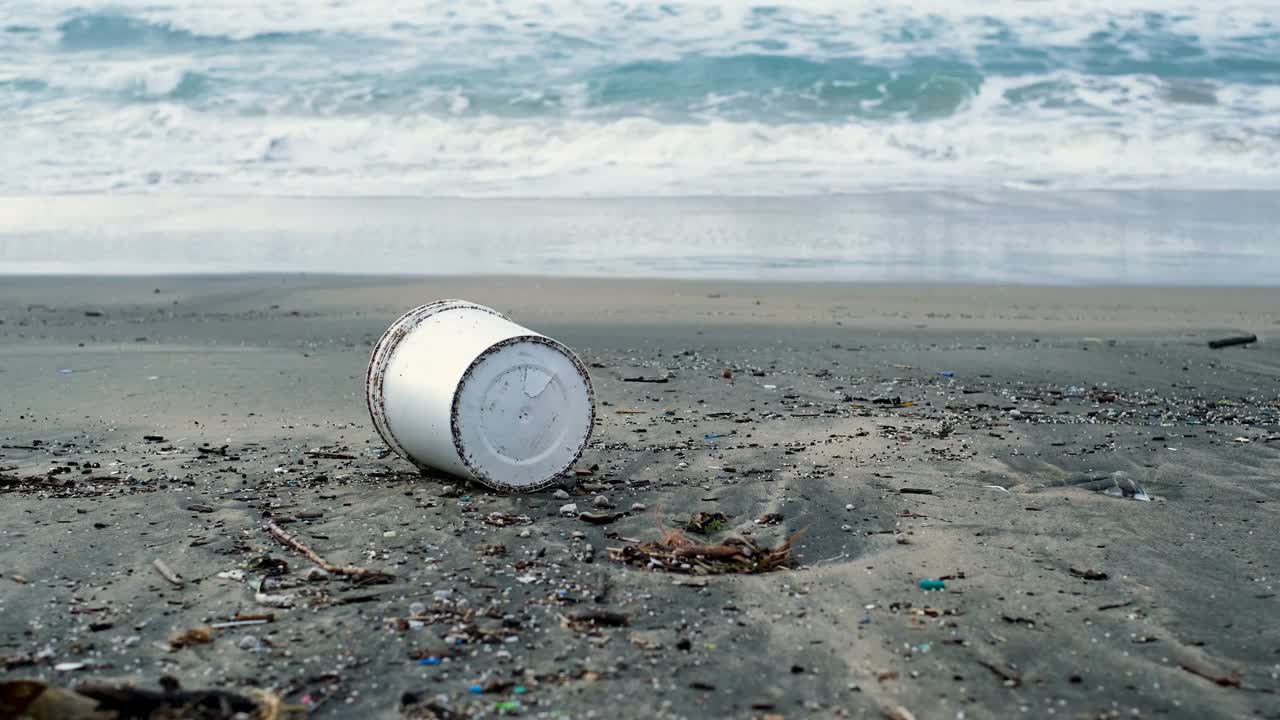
(349,570)
(1234,340)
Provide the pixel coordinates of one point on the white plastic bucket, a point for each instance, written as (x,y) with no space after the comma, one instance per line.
(457,387)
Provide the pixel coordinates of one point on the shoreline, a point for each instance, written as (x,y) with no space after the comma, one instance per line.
(975,237)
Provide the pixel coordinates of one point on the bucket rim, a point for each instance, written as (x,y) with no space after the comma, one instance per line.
(385,349)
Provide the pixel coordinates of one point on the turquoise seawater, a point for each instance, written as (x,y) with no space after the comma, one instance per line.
(572,98)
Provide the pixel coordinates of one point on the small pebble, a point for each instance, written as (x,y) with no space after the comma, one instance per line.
(250,643)
(638,506)
(849,506)
(315,574)
(602,502)
(525,533)
(389,534)
(847,528)
(417,608)
(570,510)
(561,494)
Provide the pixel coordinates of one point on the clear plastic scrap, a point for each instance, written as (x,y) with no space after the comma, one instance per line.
(1124,486)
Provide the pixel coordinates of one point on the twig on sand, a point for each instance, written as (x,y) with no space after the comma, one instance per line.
(1232,679)
(1011,678)
(167,572)
(1233,340)
(348,570)
(590,620)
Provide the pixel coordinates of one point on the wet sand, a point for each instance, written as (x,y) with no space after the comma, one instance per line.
(1010,407)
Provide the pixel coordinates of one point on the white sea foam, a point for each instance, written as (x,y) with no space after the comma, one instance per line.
(167,145)
(574,97)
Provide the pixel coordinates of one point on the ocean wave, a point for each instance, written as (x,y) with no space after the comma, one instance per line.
(115,31)
(168,147)
(1017,33)
(101,32)
(578,96)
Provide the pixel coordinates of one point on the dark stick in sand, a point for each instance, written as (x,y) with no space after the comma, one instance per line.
(1237,340)
(348,570)
(1011,679)
(1222,679)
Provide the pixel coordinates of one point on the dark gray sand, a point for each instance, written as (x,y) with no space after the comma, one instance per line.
(169,419)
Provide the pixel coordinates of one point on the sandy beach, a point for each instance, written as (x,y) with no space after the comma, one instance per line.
(893,433)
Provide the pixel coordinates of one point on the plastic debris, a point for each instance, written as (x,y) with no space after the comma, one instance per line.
(476,689)
(504,386)
(433,660)
(1126,487)
(282,600)
(502,519)
(931,584)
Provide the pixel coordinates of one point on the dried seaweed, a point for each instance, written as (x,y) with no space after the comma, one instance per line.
(705,523)
(676,552)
